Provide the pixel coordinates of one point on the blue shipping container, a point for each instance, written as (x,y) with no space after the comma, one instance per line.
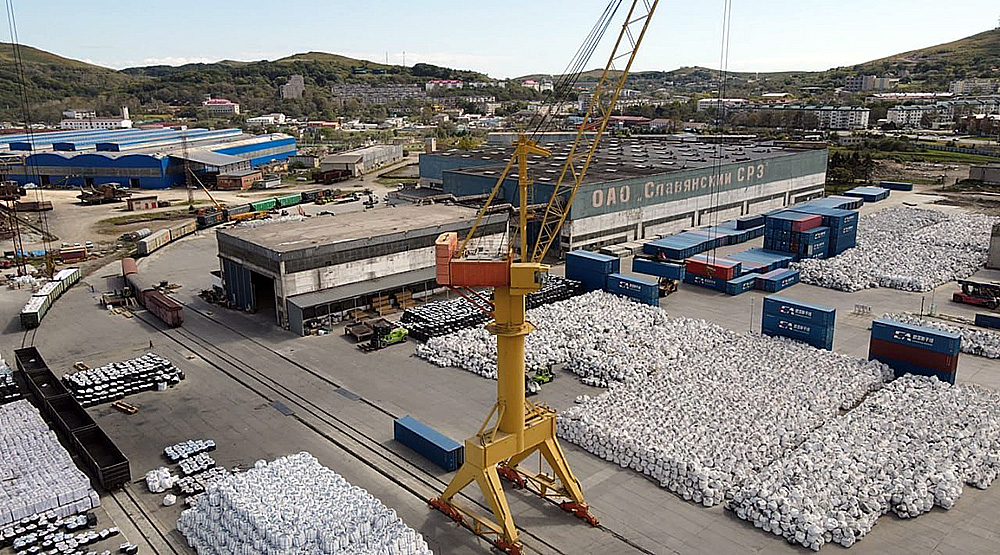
(916,336)
(741,284)
(775,281)
(900,368)
(594,262)
(984,320)
(592,281)
(637,288)
(800,311)
(704,281)
(896,185)
(816,335)
(656,268)
(748,222)
(436,447)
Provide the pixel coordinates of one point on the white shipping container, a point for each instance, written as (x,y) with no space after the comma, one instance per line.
(50,289)
(181,230)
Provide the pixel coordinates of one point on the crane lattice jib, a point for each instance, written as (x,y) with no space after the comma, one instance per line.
(598,115)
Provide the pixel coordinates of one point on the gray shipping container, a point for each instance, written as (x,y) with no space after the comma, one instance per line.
(153,242)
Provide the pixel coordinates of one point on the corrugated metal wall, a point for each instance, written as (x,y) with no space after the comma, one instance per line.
(238,284)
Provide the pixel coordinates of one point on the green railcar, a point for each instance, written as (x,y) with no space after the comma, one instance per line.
(266,204)
(289,200)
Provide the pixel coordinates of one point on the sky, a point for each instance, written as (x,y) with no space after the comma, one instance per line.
(506,38)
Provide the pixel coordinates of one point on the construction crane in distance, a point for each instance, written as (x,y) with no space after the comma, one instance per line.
(521,428)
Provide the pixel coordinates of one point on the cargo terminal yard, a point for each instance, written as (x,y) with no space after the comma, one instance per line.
(247,379)
(707,349)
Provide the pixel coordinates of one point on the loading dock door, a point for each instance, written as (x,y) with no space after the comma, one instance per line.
(239,285)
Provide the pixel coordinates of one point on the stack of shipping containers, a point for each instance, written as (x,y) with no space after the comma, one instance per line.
(806,322)
(911,349)
(591,269)
(802,235)
(711,271)
(842,226)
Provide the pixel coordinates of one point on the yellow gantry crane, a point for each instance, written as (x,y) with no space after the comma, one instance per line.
(516,428)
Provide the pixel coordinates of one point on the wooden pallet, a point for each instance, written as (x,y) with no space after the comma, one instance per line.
(125,407)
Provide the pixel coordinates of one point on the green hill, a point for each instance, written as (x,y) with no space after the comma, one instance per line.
(975,56)
(55,83)
(932,67)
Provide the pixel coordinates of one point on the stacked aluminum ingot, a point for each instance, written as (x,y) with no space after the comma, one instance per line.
(37,475)
(115,381)
(294,505)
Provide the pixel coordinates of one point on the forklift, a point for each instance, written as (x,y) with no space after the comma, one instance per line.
(667,286)
(384,333)
(978,293)
(533,381)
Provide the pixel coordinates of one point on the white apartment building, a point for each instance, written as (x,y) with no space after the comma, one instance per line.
(443,84)
(79,114)
(95,123)
(706,103)
(975,86)
(269,119)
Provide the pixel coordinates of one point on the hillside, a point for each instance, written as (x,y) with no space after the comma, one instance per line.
(51,78)
(975,56)
(55,83)
(932,67)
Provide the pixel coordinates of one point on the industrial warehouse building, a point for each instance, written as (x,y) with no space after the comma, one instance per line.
(642,188)
(362,161)
(308,272)
(139,158)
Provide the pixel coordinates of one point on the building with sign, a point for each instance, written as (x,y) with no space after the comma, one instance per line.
(642,188)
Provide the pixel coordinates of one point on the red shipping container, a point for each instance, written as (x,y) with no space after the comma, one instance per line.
(710,270)
(807,223)
(912,355)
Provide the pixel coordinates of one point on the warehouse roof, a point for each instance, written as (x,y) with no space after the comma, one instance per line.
(240,173)
(208,158)
(318,231)
(623,158)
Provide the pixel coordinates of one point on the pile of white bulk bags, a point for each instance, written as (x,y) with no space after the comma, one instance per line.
(905,449)
(111,382)
(726,405)
(905,248)
(600,336)
(975,341)
(37,475)
(295,505)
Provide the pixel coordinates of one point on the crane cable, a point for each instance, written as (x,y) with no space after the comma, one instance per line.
(26,113)
(715,194)
(563,88)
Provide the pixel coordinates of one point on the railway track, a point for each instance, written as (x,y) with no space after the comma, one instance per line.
(356,442)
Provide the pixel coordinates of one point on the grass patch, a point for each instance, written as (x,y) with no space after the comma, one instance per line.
(147,217)
(934,156)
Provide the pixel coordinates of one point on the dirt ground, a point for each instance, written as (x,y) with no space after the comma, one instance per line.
(935,177)
(70,222)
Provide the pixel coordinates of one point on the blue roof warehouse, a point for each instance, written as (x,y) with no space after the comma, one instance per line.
(139,158)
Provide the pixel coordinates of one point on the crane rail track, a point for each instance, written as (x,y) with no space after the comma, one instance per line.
(351,434)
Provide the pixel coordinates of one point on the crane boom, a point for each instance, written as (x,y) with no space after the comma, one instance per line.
(598,115)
